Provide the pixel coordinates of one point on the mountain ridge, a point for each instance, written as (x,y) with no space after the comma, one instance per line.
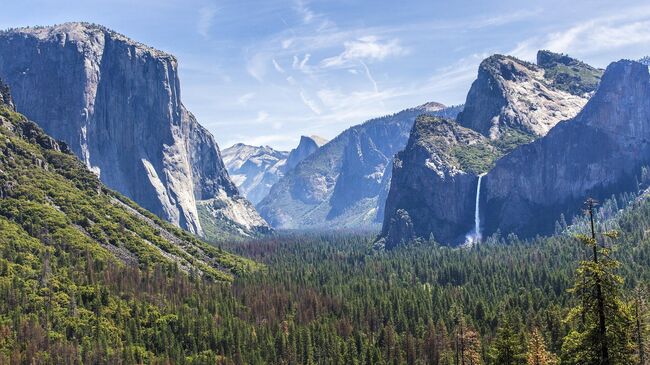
(501,106)
(117,104)
(345,182)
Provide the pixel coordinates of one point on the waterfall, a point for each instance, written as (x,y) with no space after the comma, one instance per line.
(477,211)
(475,236)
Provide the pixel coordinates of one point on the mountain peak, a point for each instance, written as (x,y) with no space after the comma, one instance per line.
(83,32)
(306,147)
(513,94)
(569,74)
(432,106)
(117,104)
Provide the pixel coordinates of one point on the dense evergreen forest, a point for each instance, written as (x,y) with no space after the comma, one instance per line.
(334,299)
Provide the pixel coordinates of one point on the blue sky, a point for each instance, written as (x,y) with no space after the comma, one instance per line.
(266,72)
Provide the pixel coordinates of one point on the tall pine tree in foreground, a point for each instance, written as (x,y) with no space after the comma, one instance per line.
(602,321)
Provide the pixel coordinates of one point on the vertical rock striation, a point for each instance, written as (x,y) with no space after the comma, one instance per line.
(255,169)
(598,153)
(117,103)
(344,183)
(510,104)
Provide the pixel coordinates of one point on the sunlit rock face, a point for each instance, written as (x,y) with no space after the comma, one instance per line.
(117,103)
(254,169)
(598,153)
(433,193)
(344,184)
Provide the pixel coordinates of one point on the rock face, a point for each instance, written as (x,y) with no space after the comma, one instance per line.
(117,104)
(429,176)
(255,169)
(512,94)
(48,196)
(345,182)
(435,178)
(597,153)
(306,147)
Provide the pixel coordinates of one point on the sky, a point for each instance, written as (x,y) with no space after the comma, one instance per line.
(266,72)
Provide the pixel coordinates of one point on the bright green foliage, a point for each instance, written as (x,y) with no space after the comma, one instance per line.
(593,277)
(510,139)
(568,74)
(508,347)
(86,275)
(476,158)
(67,297)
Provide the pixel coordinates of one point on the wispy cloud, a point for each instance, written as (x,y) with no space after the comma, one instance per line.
(278,67)
(245,98)
(262,116)
(369,48)
(206,19)
(305,13)
(310,103)
(624,29)
(257,66)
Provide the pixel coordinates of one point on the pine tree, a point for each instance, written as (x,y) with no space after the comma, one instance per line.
(507,348)
(640,308)
(537,353)
(603,337)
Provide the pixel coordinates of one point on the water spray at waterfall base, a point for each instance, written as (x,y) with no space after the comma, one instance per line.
(475,236)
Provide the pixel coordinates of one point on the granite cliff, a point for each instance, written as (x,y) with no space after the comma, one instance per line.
(117,104)
(254,169)
(511,104)
(345,182)
(598,153)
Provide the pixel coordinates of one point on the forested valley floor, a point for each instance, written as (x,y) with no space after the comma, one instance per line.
(334,299)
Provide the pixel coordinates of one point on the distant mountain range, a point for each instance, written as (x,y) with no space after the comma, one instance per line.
(344,183)
(117,104)
(255,169)
(538,137)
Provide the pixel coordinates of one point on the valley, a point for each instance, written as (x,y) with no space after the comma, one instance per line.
(511,227)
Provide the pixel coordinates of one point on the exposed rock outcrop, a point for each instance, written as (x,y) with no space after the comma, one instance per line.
(255,169)
(513,94)
(5,96)
(48,195)
(597,154)
(428,194)
(510,104)
(117,104)
(345,182)
(568,74)
(305,148)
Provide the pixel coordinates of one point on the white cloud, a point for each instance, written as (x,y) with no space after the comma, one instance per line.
(244,99)
(261,116)
(305,13)
(368,48)
(460,73)
(594,36)
(277,66)
(206,19)
(310,103)
(370,78)
(256,66)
